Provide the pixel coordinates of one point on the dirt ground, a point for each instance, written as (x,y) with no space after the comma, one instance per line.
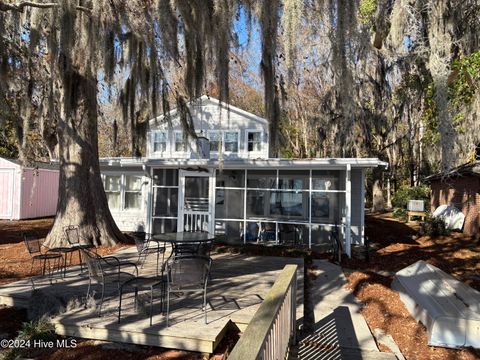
(396,245)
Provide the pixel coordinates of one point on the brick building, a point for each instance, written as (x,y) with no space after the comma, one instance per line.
(459,187)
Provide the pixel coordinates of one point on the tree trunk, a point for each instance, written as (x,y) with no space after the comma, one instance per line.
(378,202)
(81,197)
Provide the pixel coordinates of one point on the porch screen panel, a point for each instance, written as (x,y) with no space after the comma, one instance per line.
(328,180)
(229,204)
(165,200)
(231,232)
(263,179)
(321,236)
(328,208)
(230,178)
(164,225)
(293,234)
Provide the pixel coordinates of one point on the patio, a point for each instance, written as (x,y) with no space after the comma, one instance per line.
(237,287)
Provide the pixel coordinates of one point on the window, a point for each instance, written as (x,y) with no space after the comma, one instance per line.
(254,141)
(123,192)
(160,141)
(179,143)
(112,190)
(133,192)
(215,140)
(231,141)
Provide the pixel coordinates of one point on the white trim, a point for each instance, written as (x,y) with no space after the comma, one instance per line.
(203,101)
(362,207)
(11,192)
(263,144)
(348,211)
(152,143)
(174,151)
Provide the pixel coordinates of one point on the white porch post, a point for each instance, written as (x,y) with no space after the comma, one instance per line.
(348,211)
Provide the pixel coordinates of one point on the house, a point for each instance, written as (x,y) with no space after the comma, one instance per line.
(27,192)
(230,186)
(459,187)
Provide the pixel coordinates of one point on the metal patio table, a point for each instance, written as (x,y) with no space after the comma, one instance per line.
(186,242)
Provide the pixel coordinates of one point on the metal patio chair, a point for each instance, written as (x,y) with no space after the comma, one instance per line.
(106,270)
(146,246)
(188,273)
(143,283)
(34,247)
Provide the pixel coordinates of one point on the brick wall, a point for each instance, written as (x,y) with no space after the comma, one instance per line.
(464,194)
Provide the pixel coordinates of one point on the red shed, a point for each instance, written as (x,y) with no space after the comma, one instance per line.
(459,187)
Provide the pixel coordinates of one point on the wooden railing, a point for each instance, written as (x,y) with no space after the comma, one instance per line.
(272,329)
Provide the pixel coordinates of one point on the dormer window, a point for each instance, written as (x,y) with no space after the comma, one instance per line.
(160,141)
(254,141)
(215,140)
(231,141)
(179,143)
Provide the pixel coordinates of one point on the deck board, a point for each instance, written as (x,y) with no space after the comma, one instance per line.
(238,285)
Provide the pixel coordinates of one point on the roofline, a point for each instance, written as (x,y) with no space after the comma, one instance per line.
(332,163)
(174,111)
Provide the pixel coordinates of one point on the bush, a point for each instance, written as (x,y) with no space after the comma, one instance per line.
(434,227)
(405,193)
(400,213)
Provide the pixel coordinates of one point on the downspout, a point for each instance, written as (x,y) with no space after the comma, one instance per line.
(149,199)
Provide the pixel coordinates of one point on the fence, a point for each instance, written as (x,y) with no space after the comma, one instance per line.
(273,327)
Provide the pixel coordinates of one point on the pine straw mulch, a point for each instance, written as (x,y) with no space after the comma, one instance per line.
(15,261)
(397,245)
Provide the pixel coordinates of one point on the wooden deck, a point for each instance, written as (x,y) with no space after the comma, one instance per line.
(237,287)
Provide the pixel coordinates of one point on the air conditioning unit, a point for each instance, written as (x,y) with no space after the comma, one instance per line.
(416,205)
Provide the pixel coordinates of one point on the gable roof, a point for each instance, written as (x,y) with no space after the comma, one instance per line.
(204,100)
(469,169)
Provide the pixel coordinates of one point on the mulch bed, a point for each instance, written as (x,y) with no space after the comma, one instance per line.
(397,245)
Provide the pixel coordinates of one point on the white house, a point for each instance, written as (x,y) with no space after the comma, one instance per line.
(236,190)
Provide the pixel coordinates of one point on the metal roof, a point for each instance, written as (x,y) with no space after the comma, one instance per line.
(317,163)
(471,168)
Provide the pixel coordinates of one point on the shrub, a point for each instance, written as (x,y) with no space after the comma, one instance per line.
(405,193)
(434,227)
(400,213)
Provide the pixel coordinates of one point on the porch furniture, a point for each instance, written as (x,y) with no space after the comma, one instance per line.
(106,270)
(34,247)
(73,239)
(146,246)
(187,243)
(188,273)
(143,283)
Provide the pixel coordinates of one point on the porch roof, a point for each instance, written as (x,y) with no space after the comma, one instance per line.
(317,163)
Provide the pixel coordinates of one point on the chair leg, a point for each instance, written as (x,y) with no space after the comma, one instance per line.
(205,304)
(120,304)
(31,267)
(135,299)
(43,268)
(151,305)
(101,300)
(168,304)
(88,291)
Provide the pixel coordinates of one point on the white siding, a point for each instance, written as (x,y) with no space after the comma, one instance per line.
(209,116)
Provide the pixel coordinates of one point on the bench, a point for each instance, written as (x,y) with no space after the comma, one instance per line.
(420,214)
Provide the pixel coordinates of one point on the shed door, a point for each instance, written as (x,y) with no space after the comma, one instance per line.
(6,193)
(195,203)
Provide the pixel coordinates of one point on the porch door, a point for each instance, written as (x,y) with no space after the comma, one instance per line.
(196,201)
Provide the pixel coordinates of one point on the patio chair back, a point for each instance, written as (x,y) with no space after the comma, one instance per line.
(32,242)
(188,272)
(94,266)
(140,241)
(71,232)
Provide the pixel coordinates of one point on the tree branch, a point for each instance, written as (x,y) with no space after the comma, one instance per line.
(20,7)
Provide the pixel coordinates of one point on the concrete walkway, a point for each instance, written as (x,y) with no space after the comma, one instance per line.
(341,331)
